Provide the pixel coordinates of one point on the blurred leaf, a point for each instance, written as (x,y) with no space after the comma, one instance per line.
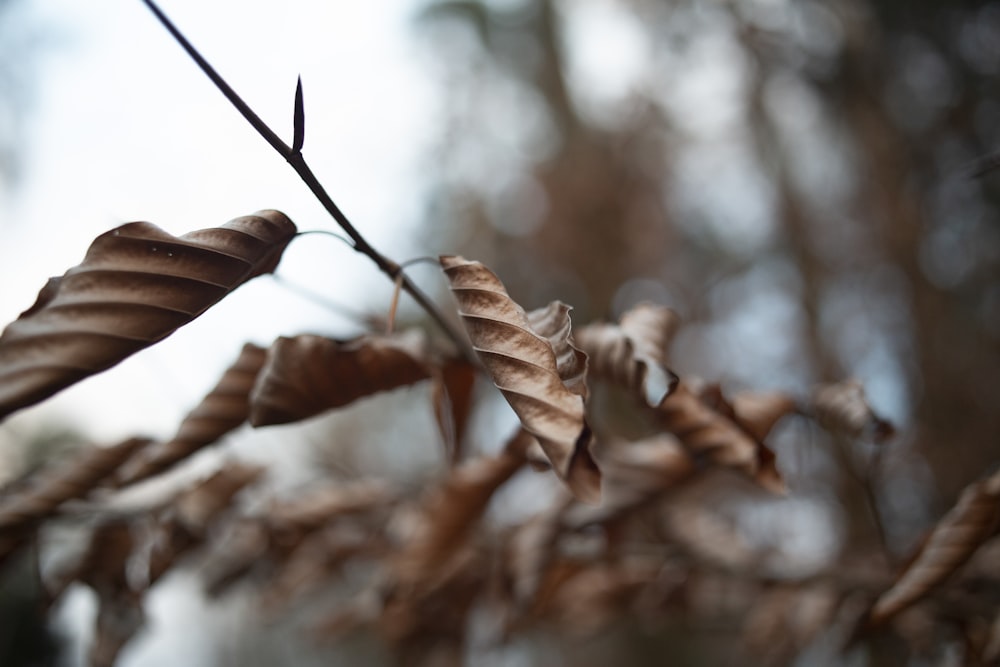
(63,480)
(843,408)
(307,375)
(956,537)
(709,430)
(225,407)
(452,399)
(633,353)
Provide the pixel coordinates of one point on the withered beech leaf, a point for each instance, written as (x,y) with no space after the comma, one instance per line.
(553,323)
(449,510)
(452,400)
(225,407)
(66,480)
(136,286)
(524,365)
(842,407)
(306,375)
(758,412)
(633,352)
(197,507)
(956,537)
(711,431)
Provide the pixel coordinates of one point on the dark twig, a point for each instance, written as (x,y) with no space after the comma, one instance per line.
(294,157)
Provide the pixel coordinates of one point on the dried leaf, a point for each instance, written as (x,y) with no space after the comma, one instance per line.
(710,432)
(311,510)
(452,399)
(320,556)
(524,365)
(785,620)
(634,473)
(553,323)
(530,551)
(307,375)
(450,510)
(225,407)
(843,408)
(104,566)
(758,412)
(633,353)
(955,538)
(586,599)
(197,507)
(136,286)
(244,543)
(68,479)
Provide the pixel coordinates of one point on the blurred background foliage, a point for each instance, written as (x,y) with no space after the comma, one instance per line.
(798,179)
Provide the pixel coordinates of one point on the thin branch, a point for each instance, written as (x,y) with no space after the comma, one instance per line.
(298,163)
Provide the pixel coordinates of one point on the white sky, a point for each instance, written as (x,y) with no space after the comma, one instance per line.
(127,128)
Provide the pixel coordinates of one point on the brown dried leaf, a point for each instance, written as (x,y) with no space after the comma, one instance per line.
(225,407)
(452,399)
(104,567)
(313,509)
(843,408)
(307,375)
(708,431)
(197,507)
(758,412)
(785,620)
(525,365)
(633,353)
(319,557)
(553,323)
(587,599)
(635,473)
(955,538)
(186,522)
(67,480)
(244,543)
(450,510)
(136,286)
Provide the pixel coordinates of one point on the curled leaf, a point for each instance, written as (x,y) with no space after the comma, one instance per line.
(225,407)
(450,510)
(548,397)
(842,407)
(67,480)
(307,374)
(956,537)
(197,507)
(710,432)
(136,286)
(632,353)
(452,399)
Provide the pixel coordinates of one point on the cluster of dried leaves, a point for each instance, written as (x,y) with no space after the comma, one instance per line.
(625,537)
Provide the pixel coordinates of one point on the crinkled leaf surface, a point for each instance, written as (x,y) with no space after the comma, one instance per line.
(308,374)
(541,379)
(136,285)
(633,352)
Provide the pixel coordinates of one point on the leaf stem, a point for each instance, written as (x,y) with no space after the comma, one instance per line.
(298,163)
